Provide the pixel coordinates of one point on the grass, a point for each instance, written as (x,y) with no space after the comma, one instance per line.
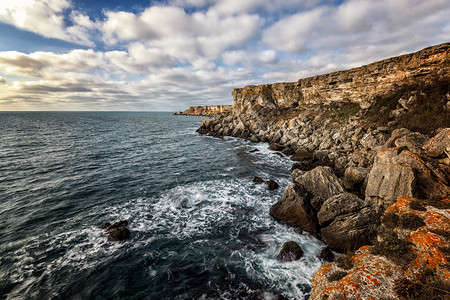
(390,219)
(344,261)
(411,221)
(426,285)
(424,116)
(336,276)
(392,247)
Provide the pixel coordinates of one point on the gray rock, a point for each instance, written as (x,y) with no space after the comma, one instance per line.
(338,205)
(413,141)
(321,182)
(396,134)
(439,145)
(354,177)
(294,209)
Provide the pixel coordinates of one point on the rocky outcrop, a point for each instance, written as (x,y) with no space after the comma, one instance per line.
(206,111)
(382,272)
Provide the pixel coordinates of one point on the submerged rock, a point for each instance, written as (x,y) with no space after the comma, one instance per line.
(290,251)
(272,185)
(117,231)
(258,180)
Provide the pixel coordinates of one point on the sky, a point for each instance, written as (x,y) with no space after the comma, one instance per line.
(118,55)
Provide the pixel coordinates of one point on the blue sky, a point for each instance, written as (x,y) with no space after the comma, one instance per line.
(167,55)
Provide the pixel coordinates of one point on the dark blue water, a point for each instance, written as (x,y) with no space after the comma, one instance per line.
(200,228)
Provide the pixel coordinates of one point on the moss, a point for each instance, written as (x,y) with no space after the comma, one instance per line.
(411,221)
(336,276)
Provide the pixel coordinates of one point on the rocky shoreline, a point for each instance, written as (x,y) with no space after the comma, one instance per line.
(205,111)
(371,171)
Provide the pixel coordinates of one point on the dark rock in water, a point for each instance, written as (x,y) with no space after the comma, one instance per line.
(276,147)
(326,254)
(253,150)
(272,185)
(295,210)
(290,251)
(117,231)
(258,180)
(288,151)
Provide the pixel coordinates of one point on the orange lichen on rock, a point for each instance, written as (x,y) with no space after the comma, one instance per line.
(401,206)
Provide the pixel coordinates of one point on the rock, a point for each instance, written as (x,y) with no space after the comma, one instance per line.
(258,180)
(413,142)
(387,181)
(272,185)
(396,134)
(397,174)
(321,182)
(117,231)
(439,145)
(290,251)
(326,254)
(348,222)
(354,177)
(295,210)
(377,276)
(300,155)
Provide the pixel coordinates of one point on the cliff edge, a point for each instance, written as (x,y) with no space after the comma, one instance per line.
(365,144)
(205,111)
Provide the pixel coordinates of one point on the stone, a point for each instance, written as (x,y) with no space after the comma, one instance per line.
(301,154)
(326,254)
(439,145)
(396,134)
(348,222)
(117,231)
(322,182)
(258,180)
(354,177)
(387,181)
(272,185)
(413,142)
(290,251)
(295,210)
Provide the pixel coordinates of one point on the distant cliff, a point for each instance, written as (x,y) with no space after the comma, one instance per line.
(207,111)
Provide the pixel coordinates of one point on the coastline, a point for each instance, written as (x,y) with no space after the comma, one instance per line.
(368,144)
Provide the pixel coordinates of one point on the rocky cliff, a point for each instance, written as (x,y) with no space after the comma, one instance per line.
(206,111)
(361,141)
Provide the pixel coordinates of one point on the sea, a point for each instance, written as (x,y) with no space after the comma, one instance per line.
(200,228)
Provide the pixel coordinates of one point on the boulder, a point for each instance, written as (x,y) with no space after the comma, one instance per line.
(396,134)
(290,251)
(413,141)
(326,254)
(301,154)
(258,180)
(321,182)
(354,177)
(272,185)
(348,222)
(295,210)
(439,145)
(117,231)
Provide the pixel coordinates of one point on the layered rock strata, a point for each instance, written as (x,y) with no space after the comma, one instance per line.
(206,111)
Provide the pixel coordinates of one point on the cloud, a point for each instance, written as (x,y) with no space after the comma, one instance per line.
(46,18)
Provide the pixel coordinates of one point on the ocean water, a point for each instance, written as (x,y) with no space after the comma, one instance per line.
(200,228)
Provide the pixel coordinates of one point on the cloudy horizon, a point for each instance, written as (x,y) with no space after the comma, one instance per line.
(167,55)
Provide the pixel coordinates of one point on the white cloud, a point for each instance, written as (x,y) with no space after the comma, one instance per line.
(46,18)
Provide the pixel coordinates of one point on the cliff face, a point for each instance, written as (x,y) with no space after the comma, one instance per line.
(358,85)
(362,140)
(207,111)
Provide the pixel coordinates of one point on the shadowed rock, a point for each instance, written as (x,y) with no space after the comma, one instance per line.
(290,251)
(272,185)
(117,231)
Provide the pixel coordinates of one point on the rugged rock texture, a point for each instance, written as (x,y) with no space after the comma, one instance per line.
(290,251)
(439,146)
(207,111)
(377,276)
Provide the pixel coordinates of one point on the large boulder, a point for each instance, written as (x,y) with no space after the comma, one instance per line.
(295,210)
(290,251)
(398,173)
(354,177)
(439,145)
(321,182)
(348,222)
(413,141)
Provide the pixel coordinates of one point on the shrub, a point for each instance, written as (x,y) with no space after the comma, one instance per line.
(417,205)
(390,245)
(344,261)
(390,219)
(411,221)
(405,287)
(336,276)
